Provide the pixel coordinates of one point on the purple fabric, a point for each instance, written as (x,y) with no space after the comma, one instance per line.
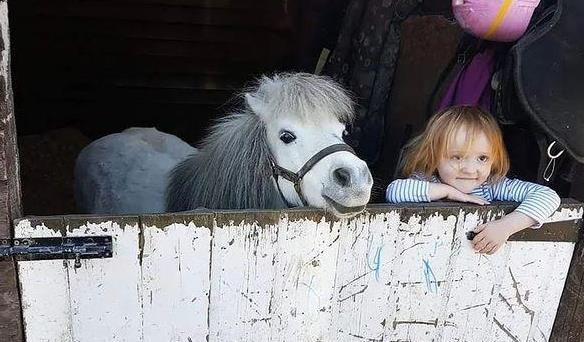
(472,85)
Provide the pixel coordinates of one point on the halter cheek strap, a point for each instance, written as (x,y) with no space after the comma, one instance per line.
(296,178)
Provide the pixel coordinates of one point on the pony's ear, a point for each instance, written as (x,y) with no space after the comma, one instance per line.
(256,105)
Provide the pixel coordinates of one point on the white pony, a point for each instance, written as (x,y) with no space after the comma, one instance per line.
(285,148)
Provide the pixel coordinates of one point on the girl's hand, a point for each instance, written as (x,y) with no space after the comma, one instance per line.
(459,196)
(491,236)
(439,191)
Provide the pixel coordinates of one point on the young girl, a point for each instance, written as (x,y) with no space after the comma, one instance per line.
(461,156)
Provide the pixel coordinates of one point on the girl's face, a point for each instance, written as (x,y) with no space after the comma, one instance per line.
(466,169)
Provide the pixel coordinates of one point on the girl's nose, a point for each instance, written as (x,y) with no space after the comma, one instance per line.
(467,166)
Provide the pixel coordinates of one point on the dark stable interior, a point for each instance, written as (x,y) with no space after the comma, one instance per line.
(82,69)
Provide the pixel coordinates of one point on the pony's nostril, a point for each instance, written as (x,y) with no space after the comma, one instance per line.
(366,175)
(342,176)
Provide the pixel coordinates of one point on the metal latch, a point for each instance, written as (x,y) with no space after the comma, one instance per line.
(47,248)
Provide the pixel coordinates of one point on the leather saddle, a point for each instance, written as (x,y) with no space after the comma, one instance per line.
(549,75)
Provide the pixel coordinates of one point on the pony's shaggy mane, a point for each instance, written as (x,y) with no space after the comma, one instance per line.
(231,169)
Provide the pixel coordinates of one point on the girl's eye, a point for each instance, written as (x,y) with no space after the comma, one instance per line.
(484,159)
(456,157)
(287,137)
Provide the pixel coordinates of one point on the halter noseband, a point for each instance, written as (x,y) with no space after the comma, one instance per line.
(296,178)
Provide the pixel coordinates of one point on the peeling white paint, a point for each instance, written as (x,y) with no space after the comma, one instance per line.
(44,287)
(175,282)
(377,277)
(105,293)
(243,277)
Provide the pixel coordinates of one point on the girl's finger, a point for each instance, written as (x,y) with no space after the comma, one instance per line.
(491,249)
(476,241)
(475,200)
(487,248)
(478,200)
(483,245)
(480,245)
(494,250)
(482,200)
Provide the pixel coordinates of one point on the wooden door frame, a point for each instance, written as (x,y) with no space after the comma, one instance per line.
(10,195)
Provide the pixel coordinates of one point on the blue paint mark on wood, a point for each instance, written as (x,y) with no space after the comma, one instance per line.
(430,277)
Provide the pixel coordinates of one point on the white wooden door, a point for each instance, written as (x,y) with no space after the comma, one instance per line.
(390,274)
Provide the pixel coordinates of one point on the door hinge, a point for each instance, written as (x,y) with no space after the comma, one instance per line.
(47,248)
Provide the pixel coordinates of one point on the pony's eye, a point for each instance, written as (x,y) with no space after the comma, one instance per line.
(345,133)
(287,137)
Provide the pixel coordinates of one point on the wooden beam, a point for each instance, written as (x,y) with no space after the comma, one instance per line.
(568,324)
(10,204)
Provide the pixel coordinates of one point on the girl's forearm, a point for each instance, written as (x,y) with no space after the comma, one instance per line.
(407,190)
(515,222)
(437,191)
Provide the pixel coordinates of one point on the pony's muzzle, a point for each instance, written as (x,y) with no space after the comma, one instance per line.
(351,181)
(349,189)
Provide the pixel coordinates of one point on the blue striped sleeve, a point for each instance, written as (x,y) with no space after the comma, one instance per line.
(537,201)
(407,190)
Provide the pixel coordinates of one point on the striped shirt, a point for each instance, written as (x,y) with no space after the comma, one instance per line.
(536,201)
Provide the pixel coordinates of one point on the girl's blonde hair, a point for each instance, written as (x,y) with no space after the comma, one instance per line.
(423,153)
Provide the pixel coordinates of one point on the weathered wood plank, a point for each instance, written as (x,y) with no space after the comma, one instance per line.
(558,280)
(567,326)
(138,47)
(473,283)
(10,319)
(45,287)
(9,149)
(10,195)
(242,276)
(168,14)
(220,4)
(367,251)
(420,279)
(530,290)
(106,27)
(105,293)
(175,277)
(303,289)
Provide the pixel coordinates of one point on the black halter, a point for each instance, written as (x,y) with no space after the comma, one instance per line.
(296,178)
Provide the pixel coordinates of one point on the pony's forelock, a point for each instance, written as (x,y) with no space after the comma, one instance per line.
(305,96)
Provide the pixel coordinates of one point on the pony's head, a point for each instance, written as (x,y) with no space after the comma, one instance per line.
(303,116)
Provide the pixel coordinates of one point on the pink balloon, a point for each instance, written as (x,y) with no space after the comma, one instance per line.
(496,20)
